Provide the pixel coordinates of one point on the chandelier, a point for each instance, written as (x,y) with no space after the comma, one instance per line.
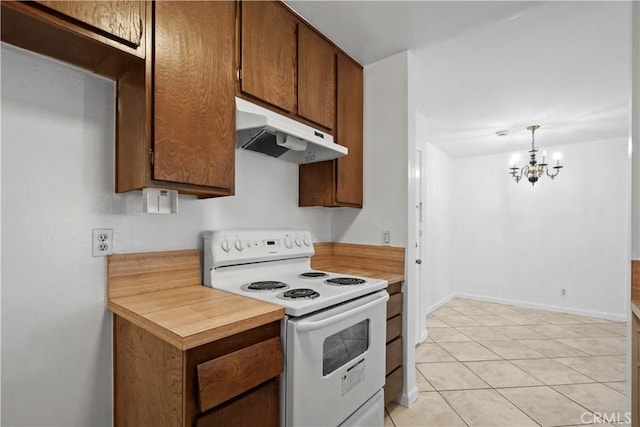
(534,170)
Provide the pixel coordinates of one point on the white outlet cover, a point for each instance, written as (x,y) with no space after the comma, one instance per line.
(102,241)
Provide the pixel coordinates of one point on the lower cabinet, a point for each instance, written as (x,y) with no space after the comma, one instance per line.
(230,382)
(635,370)
(259,407)
(394,368)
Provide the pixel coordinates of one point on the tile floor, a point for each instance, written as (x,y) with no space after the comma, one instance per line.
(487,364)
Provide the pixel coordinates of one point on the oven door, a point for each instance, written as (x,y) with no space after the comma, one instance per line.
(335,361)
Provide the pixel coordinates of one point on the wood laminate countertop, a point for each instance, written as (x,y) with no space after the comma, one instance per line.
(192,316)
(384,275)
(380,262)
(161,292)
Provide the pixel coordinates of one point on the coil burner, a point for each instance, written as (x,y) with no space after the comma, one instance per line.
(299,293)
(265,286)
(313,275)
(345,281)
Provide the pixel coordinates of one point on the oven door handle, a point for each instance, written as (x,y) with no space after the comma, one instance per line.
(310,325)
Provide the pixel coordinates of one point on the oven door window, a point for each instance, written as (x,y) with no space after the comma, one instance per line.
(342,347)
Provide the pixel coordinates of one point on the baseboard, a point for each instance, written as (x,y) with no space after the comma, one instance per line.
(439,304)
(409,398)
(554,308)
(423,336)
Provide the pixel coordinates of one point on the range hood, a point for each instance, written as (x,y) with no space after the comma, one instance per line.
(263,131)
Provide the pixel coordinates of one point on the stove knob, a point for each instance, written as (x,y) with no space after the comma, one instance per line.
(298,242)
(225,245)
(287,242)
(239,245)
(307,242)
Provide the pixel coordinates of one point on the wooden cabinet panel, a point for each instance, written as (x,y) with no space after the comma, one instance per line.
(394,328)
(147,374)
(635,364)
(157,384)
(194,90)
(122,19)
(316,78)
(394,355)
(315,184)
(258,408)
(228,376)
(40,29)
(393,386)
(268,53)
(349,131)
(394,368)
(394,306)
(339,182)
(396,255)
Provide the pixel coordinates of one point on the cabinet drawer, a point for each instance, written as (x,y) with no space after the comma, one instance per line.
(394,288)
(231,375)
(393,385)
(394,306)
(394,355)
(394,328)
(259,408)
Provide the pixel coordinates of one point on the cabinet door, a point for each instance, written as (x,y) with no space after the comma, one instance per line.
(120,19)
(316,78)
(269,53)
(349,131)
(194,93)
(260,407)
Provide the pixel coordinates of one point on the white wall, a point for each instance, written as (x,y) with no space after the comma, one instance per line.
(385,159)
(634,145)
(389,146)
(519,243)
(57,184)
(439,193)
(635,130)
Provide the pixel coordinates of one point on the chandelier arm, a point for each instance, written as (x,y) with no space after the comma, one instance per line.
(557,168)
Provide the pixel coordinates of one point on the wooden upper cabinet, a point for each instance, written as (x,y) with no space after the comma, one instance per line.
(349,131)
(268,53)
(194,93)
(316,78)
(121,20)
(103,37)
(338,182)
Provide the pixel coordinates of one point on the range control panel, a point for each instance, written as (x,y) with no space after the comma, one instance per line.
(232,247)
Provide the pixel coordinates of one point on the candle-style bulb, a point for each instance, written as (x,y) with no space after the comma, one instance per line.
(557,157)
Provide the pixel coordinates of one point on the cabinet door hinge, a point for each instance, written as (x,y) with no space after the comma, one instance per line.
(151,157)
(239,74)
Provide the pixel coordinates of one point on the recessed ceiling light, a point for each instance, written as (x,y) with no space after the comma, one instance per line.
(503,132)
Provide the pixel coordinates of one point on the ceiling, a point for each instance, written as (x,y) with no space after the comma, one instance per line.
(485,66)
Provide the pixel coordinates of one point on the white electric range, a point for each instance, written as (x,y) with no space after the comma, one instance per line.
(334,329)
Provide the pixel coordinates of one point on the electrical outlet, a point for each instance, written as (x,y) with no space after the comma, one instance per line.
(563,292)
(102,241)
(386,237)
